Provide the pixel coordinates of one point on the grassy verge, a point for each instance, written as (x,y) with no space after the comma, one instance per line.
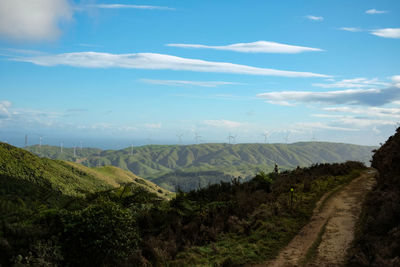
(312,252)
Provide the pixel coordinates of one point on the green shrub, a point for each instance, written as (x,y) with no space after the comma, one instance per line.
(101,234)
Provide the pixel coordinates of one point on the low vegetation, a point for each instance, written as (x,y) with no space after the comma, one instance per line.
(378,237)
(225,224)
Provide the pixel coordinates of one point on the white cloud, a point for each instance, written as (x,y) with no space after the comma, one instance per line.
(374,11)
(89,45)
(4,109)
(376,130)
(367,111)
(223,123)
(350,29)
(122,6)
(187,83)
(352,83)
(154,61)
(396,80)
(281,103)
(315,18)
(255,47)
(153,125)
(322,126)
(368,97)
(362,117)
(364,122)
(33,20)
(387,33)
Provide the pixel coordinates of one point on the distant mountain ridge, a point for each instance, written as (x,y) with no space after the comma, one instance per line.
(155,161)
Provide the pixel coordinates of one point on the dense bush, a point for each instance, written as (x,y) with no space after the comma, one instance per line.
(101,234)
(378,237)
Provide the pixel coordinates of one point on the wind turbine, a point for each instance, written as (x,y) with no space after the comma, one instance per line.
(266,135)
(149,140)
(26,140)
(131,149)
(61,146)
(74,151)
(197,137)
(313,139)
(231,137)
(234,139)
(179,138)
(287,137)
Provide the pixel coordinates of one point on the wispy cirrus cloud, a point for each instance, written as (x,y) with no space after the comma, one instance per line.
(4,109)
(367,97)
(89,45)
(321,126)
(155,62)
(393,113)
(23,20)
(123,6)
(387,33)
(352,83)
(223,123)
(187,83)
(373,11)
(254,47)
(153,125)
(357,121)
(315,18)
(351,29)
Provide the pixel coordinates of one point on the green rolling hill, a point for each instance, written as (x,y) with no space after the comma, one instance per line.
(174,165)
(24,171)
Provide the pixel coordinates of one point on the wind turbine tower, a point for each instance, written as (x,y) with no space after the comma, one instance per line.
(266,135)
(74,151)
(231,137)
(26,140)
(197,137)
(40,142)
(131,149)
(179,138)
(61,146)
(287,137)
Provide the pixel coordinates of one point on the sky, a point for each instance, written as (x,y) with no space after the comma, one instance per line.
(114,73)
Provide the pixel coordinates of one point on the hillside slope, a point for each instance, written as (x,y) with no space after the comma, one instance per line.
(67,178)
(378,241)
(238,160)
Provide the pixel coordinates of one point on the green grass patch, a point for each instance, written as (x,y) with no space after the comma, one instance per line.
(312,252)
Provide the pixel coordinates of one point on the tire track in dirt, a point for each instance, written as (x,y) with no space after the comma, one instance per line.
(339,216)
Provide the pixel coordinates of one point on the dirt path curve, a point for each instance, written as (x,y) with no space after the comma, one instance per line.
(339,216)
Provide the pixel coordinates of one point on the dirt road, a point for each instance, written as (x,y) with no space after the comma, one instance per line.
(331,227)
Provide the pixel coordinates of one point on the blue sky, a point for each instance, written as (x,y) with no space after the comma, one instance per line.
(112,73)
